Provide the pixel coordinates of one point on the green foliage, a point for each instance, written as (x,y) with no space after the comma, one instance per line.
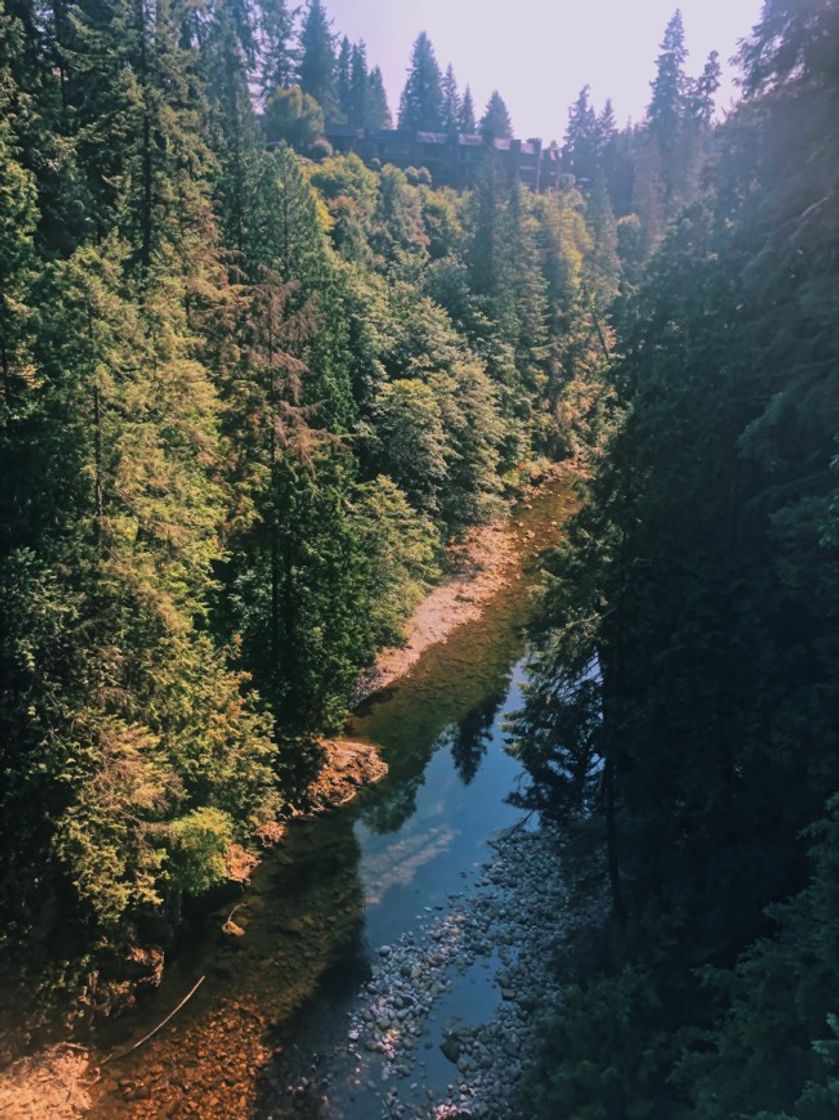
(685,688)
(495,124)
(402,548)
(246,398)
(295,117)
(421,106)
(601,1059)
(198,842)
(316,66)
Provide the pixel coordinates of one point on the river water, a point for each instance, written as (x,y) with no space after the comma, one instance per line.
(277,1002)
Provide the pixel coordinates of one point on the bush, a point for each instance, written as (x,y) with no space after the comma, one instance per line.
(295,117)
(198,843)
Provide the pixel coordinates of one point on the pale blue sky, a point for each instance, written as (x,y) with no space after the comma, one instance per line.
(540,52)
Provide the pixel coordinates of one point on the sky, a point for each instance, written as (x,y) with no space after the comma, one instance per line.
(540,53)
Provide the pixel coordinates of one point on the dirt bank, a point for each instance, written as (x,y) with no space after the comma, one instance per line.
(480,565)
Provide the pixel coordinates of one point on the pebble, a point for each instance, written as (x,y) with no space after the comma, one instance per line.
(512,913)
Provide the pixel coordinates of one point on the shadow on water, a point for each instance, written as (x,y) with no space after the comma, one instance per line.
(275,1000)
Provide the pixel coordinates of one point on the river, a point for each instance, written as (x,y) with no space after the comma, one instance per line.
(276,1006)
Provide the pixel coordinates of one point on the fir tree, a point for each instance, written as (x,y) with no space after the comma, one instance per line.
(278,64)
(582,138)
(343,80)
(378,110)
(495,123)
(316,68)
(669,88)
(359,87)
(466,119)
(451,101)
(421,105)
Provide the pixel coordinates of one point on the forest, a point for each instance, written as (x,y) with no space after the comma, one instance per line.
(249,393)
(253,389)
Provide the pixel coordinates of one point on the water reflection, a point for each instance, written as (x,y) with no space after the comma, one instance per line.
(471,737)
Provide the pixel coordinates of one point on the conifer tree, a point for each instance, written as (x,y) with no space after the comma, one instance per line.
(316,68)
(667,111)
(466,119)
(451,101)
(421,106)
(359,86)
(278,63)
(607,126)
(664,115)
(233,129)
(343,80)
(582,138)
(495,123)
(701,98)
(378,110)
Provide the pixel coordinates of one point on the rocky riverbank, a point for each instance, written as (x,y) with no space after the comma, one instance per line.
(507,920)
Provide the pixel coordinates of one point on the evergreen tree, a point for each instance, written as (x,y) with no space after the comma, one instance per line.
(667,110)
(701,99)
(359,87)
(466,119)
(421,105)
(606,125)
(278,64)
(451,101)
(316,68)
(233,128)
(669,87)
(495,123)
(343,80)
(378,110)
(582,138)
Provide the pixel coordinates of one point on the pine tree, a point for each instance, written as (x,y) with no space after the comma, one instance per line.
(234,133)
(378,110)
(343,80)
(451,101)
(138,144)
(582,138)
(359,86)
(421,106)
(316,68)
(701,98)
(466,119)
(278,64)
(607,126)
(495,123)
(666,110)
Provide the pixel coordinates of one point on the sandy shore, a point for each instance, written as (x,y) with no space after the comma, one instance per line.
(480,565)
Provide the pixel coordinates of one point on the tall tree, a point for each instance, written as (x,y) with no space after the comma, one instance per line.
(359,86)
(451,101)
(667,109)
(466,120)
(278,63)
(582,138)
(421,105)
(378,110)
(343,80)
(316,68)
(495,123)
